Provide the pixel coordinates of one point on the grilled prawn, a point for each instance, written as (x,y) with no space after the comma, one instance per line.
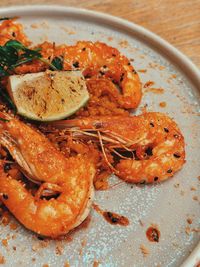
(97,61)
(71,179)
(149,148)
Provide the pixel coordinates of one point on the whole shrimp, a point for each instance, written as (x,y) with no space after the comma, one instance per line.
(148,148)
(71,179)
(97,61)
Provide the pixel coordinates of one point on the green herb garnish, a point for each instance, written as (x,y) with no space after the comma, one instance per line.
(2,119)
(58,63)
(14,54)
(7,98)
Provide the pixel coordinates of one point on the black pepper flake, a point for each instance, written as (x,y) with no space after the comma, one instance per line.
(113,219)
(155,179)
(169,171)
(5,196)
(151,123)
(166,130)
(76,64)
(129,64)
(14,34)
(122,77)
(83,49)
(155,235)
(104,66)
(176,155)
(114,81)
(176,136)
(134,71)
(101,72)
(113,55)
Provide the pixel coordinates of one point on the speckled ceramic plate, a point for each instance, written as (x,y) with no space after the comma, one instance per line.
(174,205)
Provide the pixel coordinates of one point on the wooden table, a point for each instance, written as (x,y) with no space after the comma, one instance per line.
(177,21)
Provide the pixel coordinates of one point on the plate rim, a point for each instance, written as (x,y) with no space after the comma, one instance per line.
(184,63)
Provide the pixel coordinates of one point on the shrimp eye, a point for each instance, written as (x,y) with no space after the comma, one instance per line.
(148,151)
(5,196)
(7,167)
(155,179)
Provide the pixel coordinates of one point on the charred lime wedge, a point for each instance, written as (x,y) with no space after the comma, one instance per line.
(49,95)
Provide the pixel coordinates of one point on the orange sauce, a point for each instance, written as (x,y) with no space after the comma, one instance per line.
(163,104)
(4,242)
(154,90)
(142,70)
(153,234)
(148,84)
(112,217)
(95,264)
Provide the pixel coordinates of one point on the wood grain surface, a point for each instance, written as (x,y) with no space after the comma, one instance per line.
(177,21)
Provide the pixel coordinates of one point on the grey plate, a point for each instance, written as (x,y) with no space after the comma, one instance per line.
(167,205)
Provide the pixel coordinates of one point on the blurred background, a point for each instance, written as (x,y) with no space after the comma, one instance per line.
(177,21)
